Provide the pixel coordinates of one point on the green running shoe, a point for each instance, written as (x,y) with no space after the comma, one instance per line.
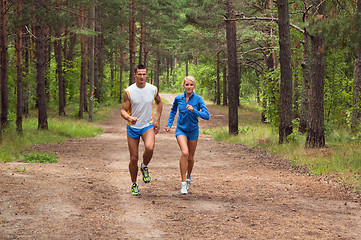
(145,172)
(135,189)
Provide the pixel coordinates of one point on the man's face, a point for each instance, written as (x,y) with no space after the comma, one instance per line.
(141,76)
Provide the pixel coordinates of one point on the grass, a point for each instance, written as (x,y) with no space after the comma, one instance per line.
(14,145)
(341,158)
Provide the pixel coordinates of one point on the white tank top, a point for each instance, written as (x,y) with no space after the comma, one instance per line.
(141,100)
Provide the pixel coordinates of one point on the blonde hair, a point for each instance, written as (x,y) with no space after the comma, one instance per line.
(190,78)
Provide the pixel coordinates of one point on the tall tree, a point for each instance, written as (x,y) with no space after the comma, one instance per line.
(40,77)
(233,81)
(59,70)
(19,86)
(91,61)
(304,107)
(132,35)
(356,112)
(4,78)
(82,97)
(316,133)
(285,101)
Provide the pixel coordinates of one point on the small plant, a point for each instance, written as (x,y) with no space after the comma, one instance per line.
(39,158)
(21,170)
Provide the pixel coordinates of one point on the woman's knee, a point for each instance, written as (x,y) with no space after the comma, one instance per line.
(185,154)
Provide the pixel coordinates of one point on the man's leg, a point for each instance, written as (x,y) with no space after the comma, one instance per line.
(133,145)
(149,141)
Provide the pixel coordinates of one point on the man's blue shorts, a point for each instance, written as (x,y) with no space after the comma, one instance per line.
(192,135)
(136,133)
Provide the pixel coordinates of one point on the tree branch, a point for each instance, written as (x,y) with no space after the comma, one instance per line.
(264,19)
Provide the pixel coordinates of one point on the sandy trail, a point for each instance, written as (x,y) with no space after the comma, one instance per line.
(236,193)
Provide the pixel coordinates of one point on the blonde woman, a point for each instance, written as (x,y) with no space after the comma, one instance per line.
(190,107)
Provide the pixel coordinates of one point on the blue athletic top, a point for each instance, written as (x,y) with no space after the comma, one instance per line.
(187,120)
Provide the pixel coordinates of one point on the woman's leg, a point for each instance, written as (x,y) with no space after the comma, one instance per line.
(183,162)
(192,145)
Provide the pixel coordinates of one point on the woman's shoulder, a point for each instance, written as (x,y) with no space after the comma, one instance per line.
(180,96)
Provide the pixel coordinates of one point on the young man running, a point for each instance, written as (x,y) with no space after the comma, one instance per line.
(137,110)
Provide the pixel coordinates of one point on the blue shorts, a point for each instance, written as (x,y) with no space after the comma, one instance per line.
(136,133)
(192,135)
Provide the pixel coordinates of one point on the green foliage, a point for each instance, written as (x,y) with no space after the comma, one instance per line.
(38,158)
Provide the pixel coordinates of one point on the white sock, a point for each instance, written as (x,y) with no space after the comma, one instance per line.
(143,165)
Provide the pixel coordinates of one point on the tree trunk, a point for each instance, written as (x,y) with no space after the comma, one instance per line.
(218,84)
(47,53)
(315,133)
(121,58)
(304,108)
(19,85)
(82,97)
(4,65)
(59,70)
(285,101)
(40,78)
(356,111)
(225,81)
(98,74)
(132,6)
(91,62)
(26,56)
(141,35)
(233,83)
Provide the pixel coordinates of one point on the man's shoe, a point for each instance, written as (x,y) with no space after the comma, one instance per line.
(183,190)
(188,181)
(135,189)
(145,172)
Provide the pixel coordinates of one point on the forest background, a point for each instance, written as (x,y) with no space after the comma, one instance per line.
(287,73)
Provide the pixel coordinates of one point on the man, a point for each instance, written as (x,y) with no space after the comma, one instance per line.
(137,110)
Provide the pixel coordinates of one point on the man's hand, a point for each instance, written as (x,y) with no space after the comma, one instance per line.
(167,129)
(156,127)
(133,120)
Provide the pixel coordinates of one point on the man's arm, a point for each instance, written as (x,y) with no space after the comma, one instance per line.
(158,102)
(125,109)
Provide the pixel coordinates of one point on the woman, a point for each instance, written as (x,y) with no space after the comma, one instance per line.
(190,106)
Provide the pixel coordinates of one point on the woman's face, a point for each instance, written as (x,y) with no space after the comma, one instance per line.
(188,86)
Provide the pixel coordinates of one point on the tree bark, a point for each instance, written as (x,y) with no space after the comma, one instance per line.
(19,85)
(304,108)
(285,101)
(82,97)
(40,78)
(356,111)
(233,83)
(315,133)
(26,56)
(218,84)
(225,81)
(59,70)
(4,65)
(132,18)
(91,62)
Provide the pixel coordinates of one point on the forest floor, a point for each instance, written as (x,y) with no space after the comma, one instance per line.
(236,193)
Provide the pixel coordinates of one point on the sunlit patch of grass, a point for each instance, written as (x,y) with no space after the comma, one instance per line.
(59,130)
(38,158)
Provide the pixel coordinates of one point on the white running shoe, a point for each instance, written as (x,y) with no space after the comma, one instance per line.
(183,190)
(188,181)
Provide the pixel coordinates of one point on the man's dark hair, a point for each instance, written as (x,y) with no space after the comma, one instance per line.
(140,66)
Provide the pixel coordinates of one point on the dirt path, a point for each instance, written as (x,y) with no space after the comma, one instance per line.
(236,193)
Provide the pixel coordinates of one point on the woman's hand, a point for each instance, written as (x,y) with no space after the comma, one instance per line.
(167,129)
(189,108)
